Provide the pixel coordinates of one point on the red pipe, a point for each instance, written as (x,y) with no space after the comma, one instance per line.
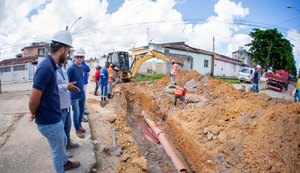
(166,145)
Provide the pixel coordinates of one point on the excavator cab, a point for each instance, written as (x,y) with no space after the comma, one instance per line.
(120,60)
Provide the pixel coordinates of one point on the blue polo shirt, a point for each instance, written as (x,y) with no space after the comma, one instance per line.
(45,80)
(76,73)
(104,76)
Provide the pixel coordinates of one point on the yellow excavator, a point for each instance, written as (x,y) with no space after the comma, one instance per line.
(120,62)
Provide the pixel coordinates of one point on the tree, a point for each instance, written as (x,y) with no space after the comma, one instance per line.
(270,48)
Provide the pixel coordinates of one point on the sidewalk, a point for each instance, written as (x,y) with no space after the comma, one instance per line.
(22,148)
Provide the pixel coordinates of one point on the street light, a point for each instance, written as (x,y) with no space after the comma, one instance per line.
(289,6)
(72,24)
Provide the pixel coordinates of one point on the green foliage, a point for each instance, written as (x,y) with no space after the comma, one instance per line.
(228,80)
(270,48)
(149,78)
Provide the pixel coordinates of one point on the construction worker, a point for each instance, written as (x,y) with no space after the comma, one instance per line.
(255,79)
(180,94)
(97,79)
(298,86)
(111,79)
(173,72)
(44,102)
(104,81)
(76,73)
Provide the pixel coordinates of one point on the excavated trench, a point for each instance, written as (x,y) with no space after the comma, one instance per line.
(220,130)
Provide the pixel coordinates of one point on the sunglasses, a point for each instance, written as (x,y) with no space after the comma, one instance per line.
(79,57)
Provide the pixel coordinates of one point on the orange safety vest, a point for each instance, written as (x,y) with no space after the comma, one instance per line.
(173,69)
(180,92)
(298,83)
(110,75)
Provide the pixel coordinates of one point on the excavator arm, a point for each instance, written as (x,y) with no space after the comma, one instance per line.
(140,59)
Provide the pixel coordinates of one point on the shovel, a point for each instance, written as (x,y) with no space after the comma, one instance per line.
(116,149)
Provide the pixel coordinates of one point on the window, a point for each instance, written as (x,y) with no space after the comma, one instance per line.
(30,52)
(4,69)
(206,63)
(167,51)
(41,51)
(19,67)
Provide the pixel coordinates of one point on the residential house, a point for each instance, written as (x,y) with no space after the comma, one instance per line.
(178,50)
(204,62)
(22,68)
(19,69)
(244,56)
(226,67)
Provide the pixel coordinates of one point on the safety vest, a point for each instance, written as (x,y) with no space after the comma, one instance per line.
(298,83)
(180,92)
(110,75)
(173,69)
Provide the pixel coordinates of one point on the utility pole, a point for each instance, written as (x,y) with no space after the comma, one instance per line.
(67,27)
(148,36)
(213,44)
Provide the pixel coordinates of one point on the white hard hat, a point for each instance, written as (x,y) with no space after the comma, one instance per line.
(79,52)
(63,37)
(258,66)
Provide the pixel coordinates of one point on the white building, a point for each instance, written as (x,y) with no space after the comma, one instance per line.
(226,67)
(244,56)
(20,69)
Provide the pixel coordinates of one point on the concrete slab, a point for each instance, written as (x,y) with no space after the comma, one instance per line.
(27,151)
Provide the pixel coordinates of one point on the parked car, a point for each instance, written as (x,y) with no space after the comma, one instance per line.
(246,74)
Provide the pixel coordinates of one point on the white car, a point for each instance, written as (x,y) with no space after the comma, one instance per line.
(246,74)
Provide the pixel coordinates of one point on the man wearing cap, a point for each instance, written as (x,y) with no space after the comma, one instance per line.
(44,103)
(173,72)
(255,79)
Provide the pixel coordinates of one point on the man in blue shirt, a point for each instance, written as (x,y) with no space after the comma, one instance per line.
(255,79)
(104,81)
(44,103)
(76,74)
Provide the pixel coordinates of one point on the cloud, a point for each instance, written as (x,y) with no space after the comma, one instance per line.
(100,32)
(294,37)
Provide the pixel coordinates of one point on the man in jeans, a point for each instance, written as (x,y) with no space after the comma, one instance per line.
(76,74)
(65,102)
(44,101)
(255,79)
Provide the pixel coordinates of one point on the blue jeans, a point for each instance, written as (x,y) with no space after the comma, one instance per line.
(96,88)
(173,79)
(103,89)
(78,106)
(255,88)
(66,118)
(57,140)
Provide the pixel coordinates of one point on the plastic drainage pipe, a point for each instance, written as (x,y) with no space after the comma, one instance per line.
(166,145)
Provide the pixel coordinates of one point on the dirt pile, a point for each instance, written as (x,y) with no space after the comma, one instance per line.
(221,129)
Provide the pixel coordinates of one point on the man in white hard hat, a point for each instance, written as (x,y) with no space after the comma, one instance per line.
(44,103)
(76,73)
(255,79)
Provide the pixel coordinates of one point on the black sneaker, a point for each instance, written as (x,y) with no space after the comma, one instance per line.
(72,145)
(71,165)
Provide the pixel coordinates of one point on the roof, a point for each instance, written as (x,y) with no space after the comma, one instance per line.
(21,60)
(38,44)
(228,59)
(184,47)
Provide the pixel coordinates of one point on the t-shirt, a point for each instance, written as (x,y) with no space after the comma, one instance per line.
(104,76)
(256,77)
(76,73)
(45,80)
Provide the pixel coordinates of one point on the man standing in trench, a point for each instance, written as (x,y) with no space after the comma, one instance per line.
(44,103)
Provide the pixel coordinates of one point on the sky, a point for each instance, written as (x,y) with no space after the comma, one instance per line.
(111,25)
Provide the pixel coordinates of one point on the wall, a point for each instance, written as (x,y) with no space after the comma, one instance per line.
(225,69)
(197,62)
(17,75)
